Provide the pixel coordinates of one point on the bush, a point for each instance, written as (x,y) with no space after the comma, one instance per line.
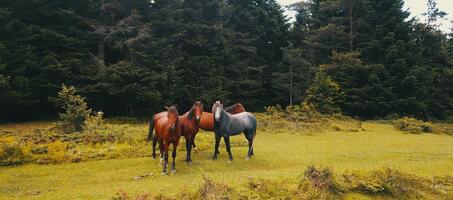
(269,189)
(56,153)
(75,110)
(415,126)
(320,183)
(320,178)
(12,153)
(94,123)
(390,182)
(303,119)
(211,190)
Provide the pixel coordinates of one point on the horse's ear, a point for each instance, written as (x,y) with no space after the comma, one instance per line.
(166,108)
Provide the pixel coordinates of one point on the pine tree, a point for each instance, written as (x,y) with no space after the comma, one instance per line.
(324,94)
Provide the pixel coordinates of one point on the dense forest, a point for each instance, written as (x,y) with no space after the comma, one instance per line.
(131,57)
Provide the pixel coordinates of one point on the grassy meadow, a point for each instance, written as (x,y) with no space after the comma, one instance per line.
(281,156)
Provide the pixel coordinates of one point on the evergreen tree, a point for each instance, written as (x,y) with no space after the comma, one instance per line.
(324,94)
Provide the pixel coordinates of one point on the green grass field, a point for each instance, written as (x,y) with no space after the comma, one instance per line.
(277,156)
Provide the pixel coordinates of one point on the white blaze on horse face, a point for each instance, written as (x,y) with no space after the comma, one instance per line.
(217,113)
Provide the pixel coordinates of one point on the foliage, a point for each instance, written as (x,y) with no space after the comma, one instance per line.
(75,108)
(94,123)
(321,183)
(324,94)
(394,183)
(400,68)
(415,126)
(12,153)
(131,57)
(211,190)
(321,178)
(304,119)
(268,189)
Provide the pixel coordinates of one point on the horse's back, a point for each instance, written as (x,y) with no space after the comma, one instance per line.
(159,120)
(248,120)
(160,115)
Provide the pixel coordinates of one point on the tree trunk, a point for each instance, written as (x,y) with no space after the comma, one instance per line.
(291,85)
(351,27)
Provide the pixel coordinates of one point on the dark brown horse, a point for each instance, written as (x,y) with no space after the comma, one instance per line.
(188,125)
(207,119)
(167,131)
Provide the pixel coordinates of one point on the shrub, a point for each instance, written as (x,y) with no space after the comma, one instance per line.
(12,153)
(94,122)
(392,183)
(56,153)
(415,126)
(322,179)
(303,119)
(211,190)
(269,189)
(75,110)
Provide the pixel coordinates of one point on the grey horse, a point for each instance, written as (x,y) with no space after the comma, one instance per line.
(226,125)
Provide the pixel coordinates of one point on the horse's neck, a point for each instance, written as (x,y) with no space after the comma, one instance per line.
(225,116)
(230,108)
(186,116)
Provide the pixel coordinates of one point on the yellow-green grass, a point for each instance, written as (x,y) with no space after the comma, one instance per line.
(277,156)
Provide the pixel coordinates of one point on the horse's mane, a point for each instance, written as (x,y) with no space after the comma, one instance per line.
(190,112)
(232,107)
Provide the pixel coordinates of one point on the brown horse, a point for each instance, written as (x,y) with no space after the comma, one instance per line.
(188,125)
(167,131)
(207,119)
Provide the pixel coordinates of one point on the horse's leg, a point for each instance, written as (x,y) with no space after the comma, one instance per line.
(188,148)
(173,155)
(193,144)
(154,146)
(161,150)
(228,147)
(166,144)
(253,138)
(249,136)
(216,147)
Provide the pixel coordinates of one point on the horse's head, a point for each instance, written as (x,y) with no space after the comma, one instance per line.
(217,110)
(197,110)
(238,108)
(172,115)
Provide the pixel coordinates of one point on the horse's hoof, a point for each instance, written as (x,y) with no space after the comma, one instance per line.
(164,173)
(173,171)
(195,150)
(214,158)
(154,158)
(189,162)
(247,158)
(229,161)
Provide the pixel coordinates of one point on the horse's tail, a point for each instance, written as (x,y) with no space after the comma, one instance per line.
(151,128)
